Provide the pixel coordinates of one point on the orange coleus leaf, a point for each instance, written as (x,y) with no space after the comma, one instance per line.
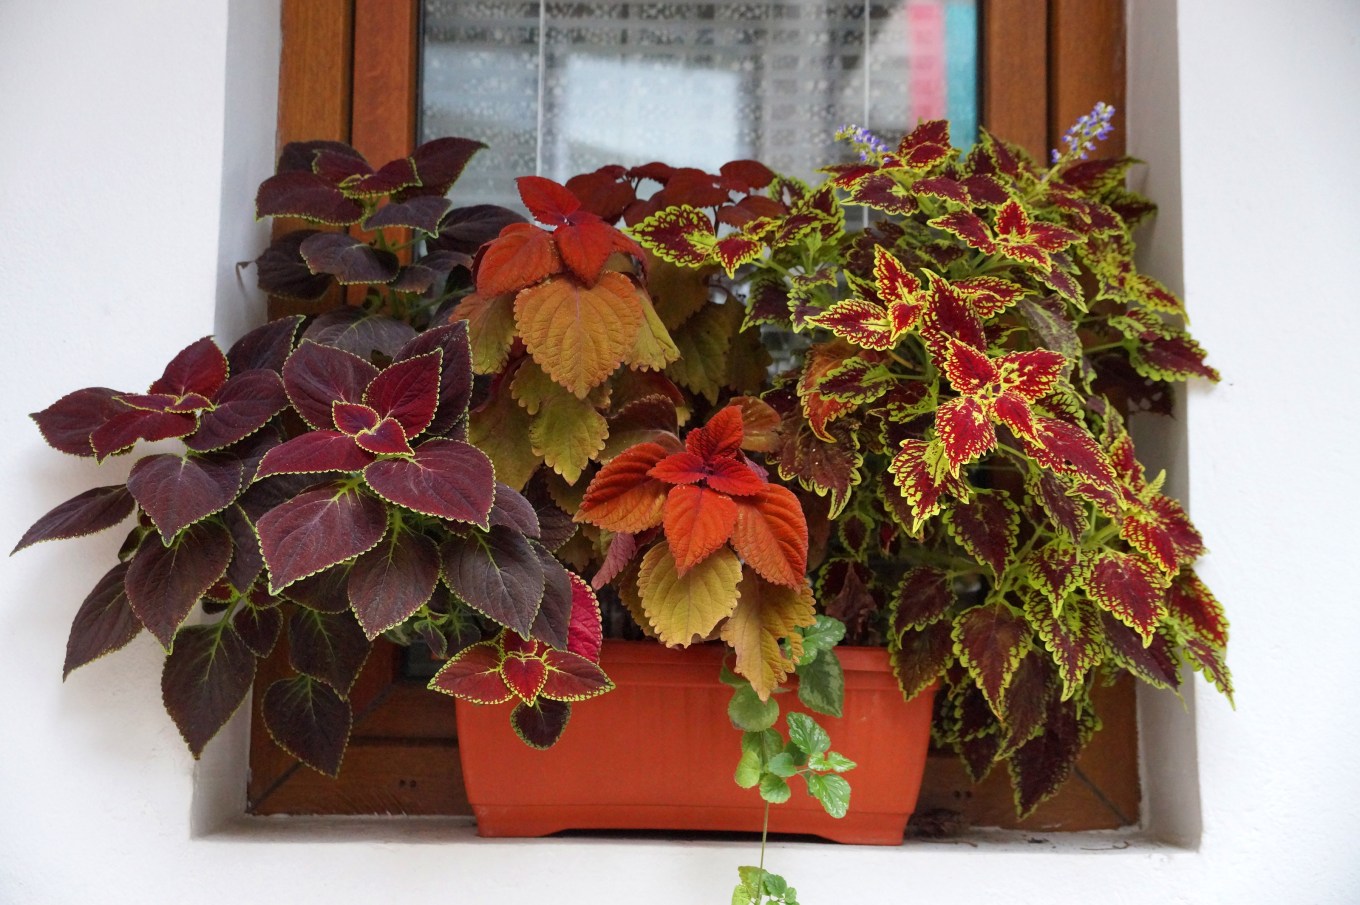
(491,329)
(759,424)
(721,436)
(771,534)
(697,521)
(579,334)
(765,614)
(520,256)
(682,608)
(622,497)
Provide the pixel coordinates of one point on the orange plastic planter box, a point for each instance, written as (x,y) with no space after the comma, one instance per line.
(658,753)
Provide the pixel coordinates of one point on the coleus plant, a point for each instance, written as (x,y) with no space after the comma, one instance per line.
(327,491)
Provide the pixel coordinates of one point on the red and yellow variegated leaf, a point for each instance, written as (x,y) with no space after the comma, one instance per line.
(720,437)
(572,677)
(926,145)
(520,256)
(881,192)
(829,468)
(622,496)
(1066,512)
(683,608)
(923,597)
(969,369)
(1068,449)
(919,656)
(680,235)
(1031,375)
(1154,662)
(989,296)
(819,362)
(968,227)
(1027,700)
(579,334)
(990,640)
(1192,606)
(1073,637)
(697,521)
(949,315)
(524,675)
(491,329)
(1055,570)
(856,381)
(987,526)
(924,474)
(765,615)
(1171,358)
(863,323)
(735,250)
(474,674)
(1130,587)
(1162,532)
(771,534)
(1210,660)
(965,430)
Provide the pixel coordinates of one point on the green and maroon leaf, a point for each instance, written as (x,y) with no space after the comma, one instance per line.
(349,260)
(924,474)
(317,376)
(585,635)
(1210,660)
(965,430)
(1065,510)
(1194,609)
(329,647)
(1162,532)
(1054,570)
(393,580)
(1073,637)
(1171,358)
(121,431)
(205,679)
(474,674)
(198,368)
(306,196)
(259,627)
(1154,662)
(308,720)
(1047,317)
(883,193)
(735,250)
(1027,700)
(541,724)
(1040,767)
(926,145)
(863,323)
(1069,449)
(987,526)
(944,188)
(177,491)
(1130,587)
(446,478)
(408,391)
(572,677)
(919,656)
(829,469)
(317,529)
(68,423)
(968,227)
(314,452)
(923,596)
(103,624)
(164,582)
(499,574)
(990,640)
(246,403)
(89,512)
(680,235)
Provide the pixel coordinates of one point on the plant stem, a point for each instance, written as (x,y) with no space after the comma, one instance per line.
(760,870)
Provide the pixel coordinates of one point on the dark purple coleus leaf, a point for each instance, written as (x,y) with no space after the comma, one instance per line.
(317,376)
(391,177)
(498,574)
(919,656)
(355,330)
(1066,511)
(176,491)
(393,580)
(349,260)
(512,510)
(553,620)
(259,627)
(990,640)
(318,529)
(541,724)
(445,478)
(455,371)
(308,720)
(199,368)
(326,592)
(306,196)
(1153,661)
(428,276)
(467,229)
(1026,699)
(438,164)
(1042,765)
(408,392)
(329,647)
(123,430)
(164,582)
(422,213)
(281,270)
(103,624)
(68,423)
(987,525)
(204,680)
(302,155)
(94,510)
(266,347)
(923,596)
(315,452)
(337,165)
(245,404)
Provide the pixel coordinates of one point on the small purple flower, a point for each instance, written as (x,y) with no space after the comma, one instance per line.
(1082,137)
(867,143)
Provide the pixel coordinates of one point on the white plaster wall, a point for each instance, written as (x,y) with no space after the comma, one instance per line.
(130,132)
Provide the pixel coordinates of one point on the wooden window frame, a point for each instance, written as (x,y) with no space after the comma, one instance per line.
(349,72)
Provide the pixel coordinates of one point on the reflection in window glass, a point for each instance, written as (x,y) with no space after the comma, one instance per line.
(560,88)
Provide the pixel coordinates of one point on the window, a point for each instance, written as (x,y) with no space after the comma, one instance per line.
(350,72)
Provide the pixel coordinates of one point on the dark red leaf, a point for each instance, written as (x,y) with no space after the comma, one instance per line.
(302,155)
(1154,663)
(336,165)
(969,227)
(205,679)
(474,674)
(353,418)
(315,452)
(1130,587)
(991,640)
(1040,767)
(446,478)
(68,423)
(329,647)
(987,525)
(499,574)
(422,213)
(103,624)
(602,193)
(1069,449)
(281,270)
(309,721)
(199,368)
(349,260)
(553,621)
(307,196)
(585,634)
(547,201)
(467,229)
(408,391)
(177,491)
(259,628)
(317,529)
(927,145)
(542,724)
(163,583)
(247,403)
(355,330)
(317,376)
(386,438)
(428,276)
(392,581)
(455,372)
(94,510)
(393,176)
(924,595)
(919,656)
(325,592)
(745,175)
(123,430)
(572,677)
(439,163)
(525,676)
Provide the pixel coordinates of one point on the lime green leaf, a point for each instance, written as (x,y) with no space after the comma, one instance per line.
(749,769)
(774,789)
(748,712)
(782,764)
